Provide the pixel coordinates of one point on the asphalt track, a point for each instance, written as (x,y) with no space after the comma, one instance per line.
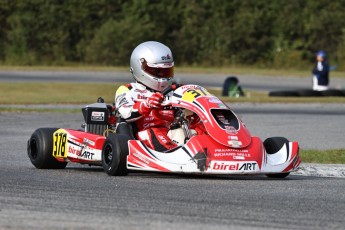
(82,197)
(264,83)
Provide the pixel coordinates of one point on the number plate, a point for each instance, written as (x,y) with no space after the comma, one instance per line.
(60,143)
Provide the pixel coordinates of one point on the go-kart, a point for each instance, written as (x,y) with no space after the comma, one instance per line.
(227,147)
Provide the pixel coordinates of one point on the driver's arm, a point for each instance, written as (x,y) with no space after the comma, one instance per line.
(124,104)
(132,110)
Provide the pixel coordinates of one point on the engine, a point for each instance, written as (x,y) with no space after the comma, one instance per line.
(96,118)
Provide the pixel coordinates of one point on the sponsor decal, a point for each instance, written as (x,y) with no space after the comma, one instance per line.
(214,100)
(162,138)
(234,166)
(235,153)
(222,119)
(87,155)
(166,57)
(232,150)
(221,105)
(148,125)
(234,143)
(79,153)
(141,158)
(149,118)
(87,141)
(97,116)
(230,129)
(140,90)
(189,86)
(238,157)
(73,150)
(142,97)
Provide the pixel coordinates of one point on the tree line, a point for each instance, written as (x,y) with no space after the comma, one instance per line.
(269,33)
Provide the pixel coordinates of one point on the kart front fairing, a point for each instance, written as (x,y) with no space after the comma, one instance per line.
(220,122)
(202,155)
(227,149)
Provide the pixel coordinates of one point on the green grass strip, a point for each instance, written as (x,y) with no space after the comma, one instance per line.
(332,156)
(85,93)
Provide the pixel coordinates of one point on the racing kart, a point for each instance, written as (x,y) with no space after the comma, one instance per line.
(226,148)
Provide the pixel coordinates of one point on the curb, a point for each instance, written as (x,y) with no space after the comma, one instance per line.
(321,170)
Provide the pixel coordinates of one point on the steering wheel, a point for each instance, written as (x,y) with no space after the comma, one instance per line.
(170,88)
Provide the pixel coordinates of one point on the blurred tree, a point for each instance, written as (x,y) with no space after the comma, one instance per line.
(200,32)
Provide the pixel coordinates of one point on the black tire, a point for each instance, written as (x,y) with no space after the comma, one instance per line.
(332,93)
(114,155)
(309,93)
(40,150)
(283,94)
(273,145)
(278,175)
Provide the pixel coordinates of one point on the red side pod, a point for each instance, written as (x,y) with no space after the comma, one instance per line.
(142,157)
(92,140)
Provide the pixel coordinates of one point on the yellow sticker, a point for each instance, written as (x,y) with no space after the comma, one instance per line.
(60,143)
(191,94)
(122,89)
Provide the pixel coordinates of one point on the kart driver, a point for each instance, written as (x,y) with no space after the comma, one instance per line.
(141,102)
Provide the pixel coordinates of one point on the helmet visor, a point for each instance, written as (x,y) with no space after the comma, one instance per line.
(162,70)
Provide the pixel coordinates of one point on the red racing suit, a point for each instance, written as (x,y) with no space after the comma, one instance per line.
(153,126)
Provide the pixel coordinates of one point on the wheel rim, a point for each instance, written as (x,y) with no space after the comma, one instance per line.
(108,154)
(33,149)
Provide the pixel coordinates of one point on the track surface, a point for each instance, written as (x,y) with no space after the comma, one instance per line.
(81,197)
(264,83)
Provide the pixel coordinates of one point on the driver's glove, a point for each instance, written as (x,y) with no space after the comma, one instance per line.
(153,102)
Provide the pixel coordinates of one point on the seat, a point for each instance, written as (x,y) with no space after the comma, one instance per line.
(126,128)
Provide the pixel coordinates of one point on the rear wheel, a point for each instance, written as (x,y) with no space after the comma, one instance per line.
(40,150)
(273,145)
(114,155)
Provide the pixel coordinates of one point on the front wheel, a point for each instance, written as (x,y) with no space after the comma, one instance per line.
(40,150)
(114,155)
(272,146)
(277,175)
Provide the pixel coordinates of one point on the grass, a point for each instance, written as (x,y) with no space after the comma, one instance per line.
(333,156)
(40,110)
(80,93)
(55,93)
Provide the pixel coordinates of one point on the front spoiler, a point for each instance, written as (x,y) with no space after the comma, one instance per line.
(184,160)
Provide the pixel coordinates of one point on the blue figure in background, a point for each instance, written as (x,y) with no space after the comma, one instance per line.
(321,72)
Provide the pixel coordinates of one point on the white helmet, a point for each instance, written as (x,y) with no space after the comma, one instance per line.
(152,64)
